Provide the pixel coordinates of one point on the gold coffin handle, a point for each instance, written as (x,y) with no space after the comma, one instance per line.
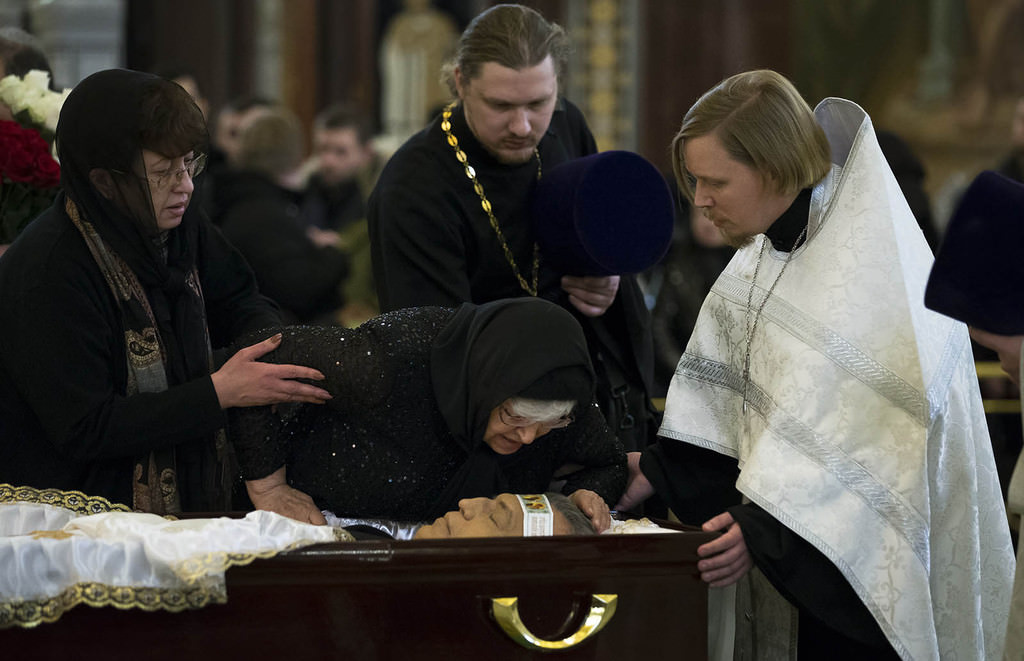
(506,612)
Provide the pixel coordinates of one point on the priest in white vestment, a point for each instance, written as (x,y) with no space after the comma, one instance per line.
(821,417)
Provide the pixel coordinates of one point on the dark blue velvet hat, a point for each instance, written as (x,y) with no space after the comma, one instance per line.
(978,275)
(604,214)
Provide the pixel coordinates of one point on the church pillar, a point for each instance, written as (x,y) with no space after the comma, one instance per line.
(603,80)
(936,78)
(298,58)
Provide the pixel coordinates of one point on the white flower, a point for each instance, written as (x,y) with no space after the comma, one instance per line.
(32,95)
(54,103)
(7,85)
(13,93)
(38,81)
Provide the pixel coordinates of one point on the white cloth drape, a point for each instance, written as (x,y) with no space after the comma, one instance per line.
(55,558)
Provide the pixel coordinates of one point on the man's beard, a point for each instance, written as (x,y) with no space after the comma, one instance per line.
(736,241)
(508,158)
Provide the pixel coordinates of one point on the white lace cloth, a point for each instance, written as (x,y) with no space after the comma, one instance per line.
(54,558)
(642,526)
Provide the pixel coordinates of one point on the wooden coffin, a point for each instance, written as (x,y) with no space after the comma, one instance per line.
(439,599)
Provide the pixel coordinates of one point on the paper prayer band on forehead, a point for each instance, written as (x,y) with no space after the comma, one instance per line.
(538,517)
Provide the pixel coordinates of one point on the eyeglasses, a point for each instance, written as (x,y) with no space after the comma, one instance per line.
(522,421)
(167,178)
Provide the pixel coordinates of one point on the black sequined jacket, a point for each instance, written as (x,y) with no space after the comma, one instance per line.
(380,447)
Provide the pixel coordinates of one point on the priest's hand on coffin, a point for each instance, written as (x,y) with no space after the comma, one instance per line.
(591,295)
(272,493)
(1007,346)
(724,560)
(594,507)
(638,489)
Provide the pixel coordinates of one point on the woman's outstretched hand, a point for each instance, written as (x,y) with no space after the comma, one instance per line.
(245,381)
(272,493)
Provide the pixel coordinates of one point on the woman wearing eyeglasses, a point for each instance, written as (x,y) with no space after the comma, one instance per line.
(431,405)
(110,303)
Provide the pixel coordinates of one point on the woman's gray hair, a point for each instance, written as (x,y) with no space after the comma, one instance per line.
(540,410)
(579,523)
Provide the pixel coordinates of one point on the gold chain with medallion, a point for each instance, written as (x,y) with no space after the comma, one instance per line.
(446,126)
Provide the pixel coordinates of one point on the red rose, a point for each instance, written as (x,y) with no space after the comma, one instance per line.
(27,156)
(21,165)
(8,138)
(28,178)
(47,171)
(9,128)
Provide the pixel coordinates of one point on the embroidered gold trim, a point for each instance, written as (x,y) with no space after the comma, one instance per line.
(485,204)
(29,614)
(198,567)
(76,501)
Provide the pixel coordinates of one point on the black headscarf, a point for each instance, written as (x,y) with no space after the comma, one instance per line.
(105,122)
(522,347)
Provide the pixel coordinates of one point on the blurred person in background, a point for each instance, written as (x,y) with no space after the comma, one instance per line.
(261,217)
(343,170)
(224,150)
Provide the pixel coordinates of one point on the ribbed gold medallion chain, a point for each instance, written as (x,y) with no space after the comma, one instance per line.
(485,204)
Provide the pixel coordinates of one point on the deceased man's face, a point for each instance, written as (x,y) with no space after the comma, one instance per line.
(485,517)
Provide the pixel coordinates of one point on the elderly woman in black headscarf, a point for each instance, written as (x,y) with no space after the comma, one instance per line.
(432,405)
(110,303)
